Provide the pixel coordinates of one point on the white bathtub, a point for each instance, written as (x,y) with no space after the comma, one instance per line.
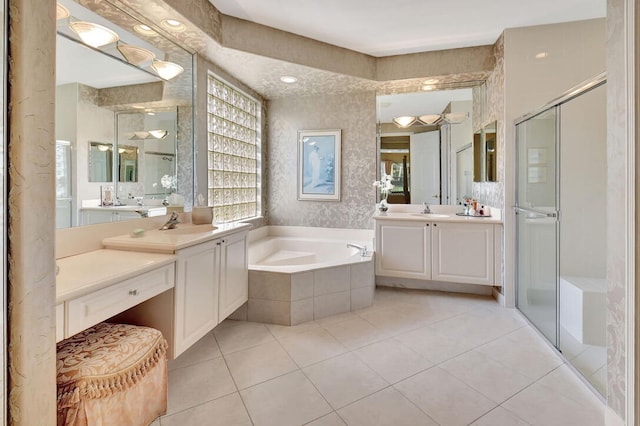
(298,274)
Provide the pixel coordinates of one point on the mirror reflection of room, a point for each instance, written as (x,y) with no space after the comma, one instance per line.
(421,153)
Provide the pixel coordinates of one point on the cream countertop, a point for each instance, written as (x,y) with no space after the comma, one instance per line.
(440,213)
(171,240)
(94,270)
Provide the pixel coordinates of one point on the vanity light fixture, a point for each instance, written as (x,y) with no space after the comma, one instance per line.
(166,70)
(159,134)
(172,25)
(94,35)
(430,119)
(404,120)
(144,30)
(456,117)
(288,79)
(428,87)
(542,55)
(135,55)
(61,12)
(103,148)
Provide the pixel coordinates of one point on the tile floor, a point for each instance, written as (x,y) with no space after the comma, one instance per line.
(413,358)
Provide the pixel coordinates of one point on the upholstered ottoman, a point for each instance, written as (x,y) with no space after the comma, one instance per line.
(112,374)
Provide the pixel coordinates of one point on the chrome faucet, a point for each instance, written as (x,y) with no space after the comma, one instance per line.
(363,249)
(426,209)
(171,223)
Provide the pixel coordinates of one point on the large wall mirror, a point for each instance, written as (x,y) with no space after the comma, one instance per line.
(485,155)
(425,145)
(124,107)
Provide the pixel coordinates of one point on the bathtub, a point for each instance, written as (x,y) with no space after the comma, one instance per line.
(299,274)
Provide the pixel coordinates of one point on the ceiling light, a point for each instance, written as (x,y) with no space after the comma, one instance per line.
(135,55)
(166,70)
(92,34)
(427,88)
(150,113)
(173,25)
(404,120)
(431,81)
(430,119)
(158,134)
(144,29)
(61,12)
(103,148)
(288,79)
(542,55)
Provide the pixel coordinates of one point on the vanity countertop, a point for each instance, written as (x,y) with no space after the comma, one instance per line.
(150,210)
(85,273)
(171,240)
(445,217)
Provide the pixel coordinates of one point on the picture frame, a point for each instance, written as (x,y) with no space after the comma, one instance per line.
(319,164)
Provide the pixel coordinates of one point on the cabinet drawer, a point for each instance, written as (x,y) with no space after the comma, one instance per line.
(89,310)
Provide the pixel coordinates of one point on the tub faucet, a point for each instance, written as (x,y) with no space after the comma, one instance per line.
(363,249)
(426,209)
(171,223)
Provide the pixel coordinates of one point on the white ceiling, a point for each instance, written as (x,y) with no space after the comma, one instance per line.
(384,27)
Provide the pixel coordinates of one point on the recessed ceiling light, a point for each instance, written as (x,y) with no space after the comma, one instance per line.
(288,79)
(542,55)
(431,81)
(144,29)
(173,25)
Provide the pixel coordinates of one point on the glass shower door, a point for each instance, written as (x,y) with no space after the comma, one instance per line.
(536,221)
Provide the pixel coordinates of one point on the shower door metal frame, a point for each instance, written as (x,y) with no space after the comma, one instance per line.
(572,93)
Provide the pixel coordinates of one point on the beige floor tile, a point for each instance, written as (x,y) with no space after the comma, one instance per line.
(156,422)
(336,318)
(523,351)
(499,417)
(541,405)
(284,331)
(387,407)
(287,400)
(192,385)
(392,360)
(242,336)
(494,380)
(258,364)
(393,321)
(312,346)
(331,419)
(565,381)
(355,332)
(444,398)
(433,345)
(205,349)
(344,379)
(226,411)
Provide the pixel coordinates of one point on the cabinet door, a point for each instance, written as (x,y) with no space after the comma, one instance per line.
(196,294)
(91,217)
(403,249)
(462,253)
(234,276)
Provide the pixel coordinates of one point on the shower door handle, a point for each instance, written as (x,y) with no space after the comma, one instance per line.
(529,212)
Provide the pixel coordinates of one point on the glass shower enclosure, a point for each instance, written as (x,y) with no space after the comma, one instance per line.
(561,225)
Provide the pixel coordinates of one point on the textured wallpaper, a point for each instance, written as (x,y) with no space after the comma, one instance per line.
(355,115)
(492,98)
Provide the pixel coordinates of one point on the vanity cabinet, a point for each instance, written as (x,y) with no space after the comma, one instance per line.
(438,251)
(195,294)
(462,253)
(234,274)
(403,249)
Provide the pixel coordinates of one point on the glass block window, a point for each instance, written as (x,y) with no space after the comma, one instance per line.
(233,152)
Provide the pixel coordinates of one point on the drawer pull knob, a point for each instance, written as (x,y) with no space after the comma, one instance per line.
(133,292)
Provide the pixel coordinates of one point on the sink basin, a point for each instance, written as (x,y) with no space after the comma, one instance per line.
(429,215)
(195,229)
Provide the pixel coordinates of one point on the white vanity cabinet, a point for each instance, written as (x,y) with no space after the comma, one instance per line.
(446,251)
(462,252)
(234,274)
(195,294)
(403,249)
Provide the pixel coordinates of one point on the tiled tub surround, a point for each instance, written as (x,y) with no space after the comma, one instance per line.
(298,274)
